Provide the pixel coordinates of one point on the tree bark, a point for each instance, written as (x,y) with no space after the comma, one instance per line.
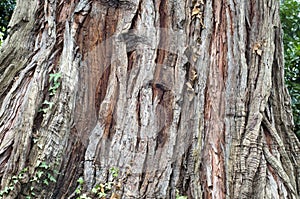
(180,96)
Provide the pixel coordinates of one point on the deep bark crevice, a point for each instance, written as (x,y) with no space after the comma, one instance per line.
(184,101)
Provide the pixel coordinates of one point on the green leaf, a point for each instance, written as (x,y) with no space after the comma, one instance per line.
(44,110)
(55,171)
(114,172)
(35,140)
(6,190)
(44,165)
(108,186)
(80,180)
(84,196)
(20,176)
(290,19)
(178,196)
(40,146)
(96,189)
(54,77)
(46,182)
(101,194)
(24,170)
(39,174)
(34,179)
(51,178)
(50,104)
(78,190)
(181,197)
(54,87)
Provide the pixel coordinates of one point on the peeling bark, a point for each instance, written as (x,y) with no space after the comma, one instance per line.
(178,95)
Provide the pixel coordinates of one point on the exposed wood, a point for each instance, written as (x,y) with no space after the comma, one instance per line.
(184,96)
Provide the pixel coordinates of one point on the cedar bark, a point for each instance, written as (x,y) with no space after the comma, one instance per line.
(179,95)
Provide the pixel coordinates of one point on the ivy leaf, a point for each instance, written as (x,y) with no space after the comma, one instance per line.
(50,104)
(114,172)
(96,189)
(80,180)
(44,165)
(39,174)
(78,190)
(54,77)
(51,178)
(46,182)
(6,190)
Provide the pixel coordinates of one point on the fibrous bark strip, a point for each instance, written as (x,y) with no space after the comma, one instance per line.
(179,95)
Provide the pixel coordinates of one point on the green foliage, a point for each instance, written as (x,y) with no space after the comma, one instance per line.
(7,8)
(43,176)
(84,196)
(53,80)
(79,188)
(54,85)
(102,190)
(80,181)
(14,180)
(290,19)
(46,109)
(178,196)
(114,172)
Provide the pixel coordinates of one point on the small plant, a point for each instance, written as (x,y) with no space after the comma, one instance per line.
(79,188)
(49,106)
(44,173)
(54,85)
(84,196)
(101,190)
(54,77)
(14,180)
(178,196)
(114,172)
(42,176)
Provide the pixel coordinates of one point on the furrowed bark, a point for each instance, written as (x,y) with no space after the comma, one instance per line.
(184,96)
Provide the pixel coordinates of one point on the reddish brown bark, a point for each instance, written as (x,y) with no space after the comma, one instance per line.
(178,95)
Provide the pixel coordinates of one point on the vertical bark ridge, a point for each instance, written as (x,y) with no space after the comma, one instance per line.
(213,179)
(22,102)
(250,138)
(50,140)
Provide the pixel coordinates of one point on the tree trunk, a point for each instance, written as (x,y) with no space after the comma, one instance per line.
(155,98)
